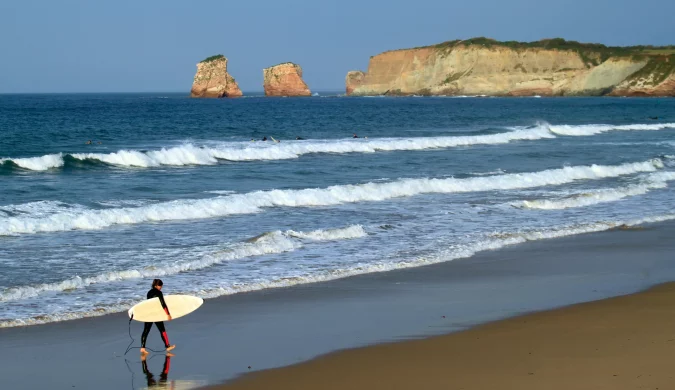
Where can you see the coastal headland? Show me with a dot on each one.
(549, 67)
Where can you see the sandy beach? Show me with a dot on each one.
(626, 342)
(283, 327)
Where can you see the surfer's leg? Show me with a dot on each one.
(144, 336)
(165, 337)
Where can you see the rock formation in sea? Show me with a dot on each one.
(551, 67)
(284, 80)
(212, 79)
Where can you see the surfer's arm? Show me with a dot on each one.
(161, 300)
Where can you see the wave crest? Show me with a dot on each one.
(254, 202)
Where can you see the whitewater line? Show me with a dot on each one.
(658, 180)
(189, 154)
(493, 242)
(267, 243)
(254, 202)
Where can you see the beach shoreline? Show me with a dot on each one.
(280, 327)
(624, 342)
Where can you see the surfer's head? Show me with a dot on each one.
(157, 283)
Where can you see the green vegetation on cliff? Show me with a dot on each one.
(592, 54)
(213, 58)
(655, 72)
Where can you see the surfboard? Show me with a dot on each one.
(151, 310)
(275, 140)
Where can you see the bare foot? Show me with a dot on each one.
(169, 354)
(143, 351)
(169, 348)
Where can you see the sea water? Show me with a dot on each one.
(101, 193)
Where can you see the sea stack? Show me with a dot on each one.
(213, 81)
(285, 80)
(550, 67)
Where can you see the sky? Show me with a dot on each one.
(153, 46)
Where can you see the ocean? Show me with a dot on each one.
(185, 190)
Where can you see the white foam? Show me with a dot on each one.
(190, 154)
(585, 130)
(254, 202)
(654, 181)
(40, 208)
(123, 202)
(354, 231)
(267, 243)
(41, 163)
(493, 242)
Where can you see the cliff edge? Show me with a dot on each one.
(213, 81)
(284, 80)
(551, 67)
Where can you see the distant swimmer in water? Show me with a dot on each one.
(156, 292)
(355, 136)
(299, 138)
(88, 142)
(653, 117)
(264, 139)
(99, 142)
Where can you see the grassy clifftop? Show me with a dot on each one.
(212, 58)
(592, 54)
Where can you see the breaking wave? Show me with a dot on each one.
(585, 130)
(654, 181)
(41, 163)
(254, 202)
(189, 154)
(267, 243)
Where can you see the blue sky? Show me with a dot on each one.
(148, 45)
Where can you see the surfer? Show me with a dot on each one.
(355, 136)
(264, 139)
(299, 138)
(156, 292)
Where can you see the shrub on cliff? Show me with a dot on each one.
(213, 58)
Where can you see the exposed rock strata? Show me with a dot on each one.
(213, 81)
(548, 68)
(284, 80)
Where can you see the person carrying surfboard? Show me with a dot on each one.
(156, 292)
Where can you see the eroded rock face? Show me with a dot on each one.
(354, 80)
(500, 70)
(284, 80)
(213, 81)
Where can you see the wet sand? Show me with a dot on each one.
(281, 327)
(619, 343)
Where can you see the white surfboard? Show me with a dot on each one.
(151, 310)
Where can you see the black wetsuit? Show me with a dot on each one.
(155, 293)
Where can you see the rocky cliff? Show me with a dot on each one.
(553, 67)
(212, 79)
(284, 80)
